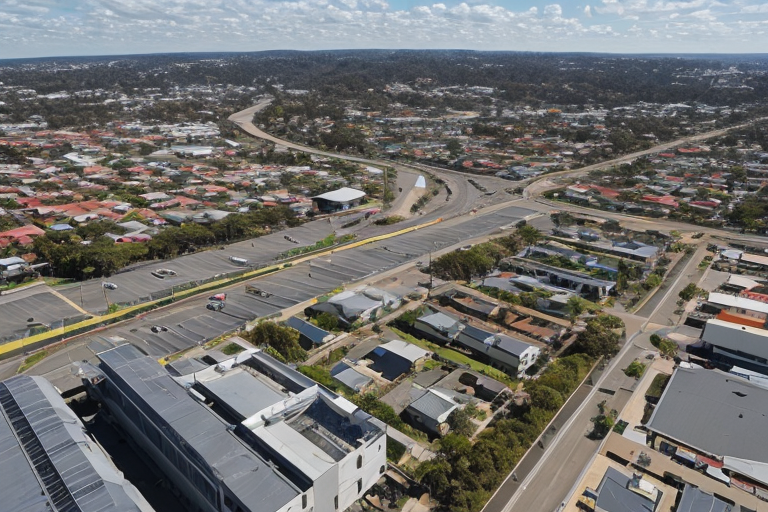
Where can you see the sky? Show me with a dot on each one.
(42, 28)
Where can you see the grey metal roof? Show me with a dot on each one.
(700, 406)
(312, 332)
(47, 462)
(349, 376)
(405, 350)
(207, 441)
(342, 195)
(439, 321)
(476, 333)
(511, 345)
(432, 405)
(242, 392)
(696, 500)
(613, 495)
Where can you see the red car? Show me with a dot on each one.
(221, 297)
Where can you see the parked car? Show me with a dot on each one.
(161, 273)
(221, 297)
(158, 328)
(109, 286)
(215, 306)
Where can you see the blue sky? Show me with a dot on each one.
(38, 28)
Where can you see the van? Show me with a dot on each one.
(239, 261)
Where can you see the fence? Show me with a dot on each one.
(19, 342)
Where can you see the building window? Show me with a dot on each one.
(359, 461)
(359, 486)
(228, 502)
(381, 470)
(304, 501)
(336, 502)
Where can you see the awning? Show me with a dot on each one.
(717, 474)
(685, 454)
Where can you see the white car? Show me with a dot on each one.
(109, 286)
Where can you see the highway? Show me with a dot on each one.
(543, 481)
(189, 323)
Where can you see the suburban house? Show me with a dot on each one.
(618, 492)
(351, 378)
(395, 358)
(504, 352)
(571, 280)
(437, 327)
(429, 412)
(353, 305)
(310, 335)
(469, 304)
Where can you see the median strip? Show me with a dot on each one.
(64, 332)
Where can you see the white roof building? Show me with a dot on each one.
(739, 304)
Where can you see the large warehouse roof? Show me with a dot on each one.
(742, 338)
(714, 412)
(255, 482)
(47, 462)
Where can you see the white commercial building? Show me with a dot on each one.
(740, 305)
(737, 342)
(246, 435)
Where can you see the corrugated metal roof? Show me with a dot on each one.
(613, 495)
(439, 321)
(731, 301)
(433, 405)
(341, 195)
(511, 345)
(349, 376)
(312, 332)
(47, 462)
(696, 500)
(699, 407)
(405, 350)
(207, 441)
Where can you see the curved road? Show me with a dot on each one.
(464, 196)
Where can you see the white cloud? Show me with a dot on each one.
(44, 27)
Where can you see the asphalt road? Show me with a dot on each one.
(546, 477)
(540, 185)
(189, 323)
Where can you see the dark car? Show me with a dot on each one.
(158, 328)
(215, 306)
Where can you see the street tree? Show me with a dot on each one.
(284, 340)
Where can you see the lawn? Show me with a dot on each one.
(32, 360)
(458, 358)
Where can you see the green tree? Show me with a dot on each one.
(283, 339)
(529, 234)
(575, 308)
(690, 292)
(544, 397)
(460, 421)
(327, 321)
(652, 281)
(597, 339)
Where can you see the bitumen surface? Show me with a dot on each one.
(189, 323)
